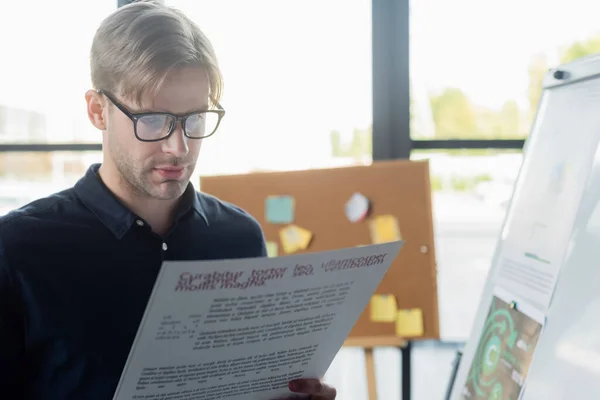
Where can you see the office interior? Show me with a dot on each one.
(318, 84)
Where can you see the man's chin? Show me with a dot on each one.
(169, 190)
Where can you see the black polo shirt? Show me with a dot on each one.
(76, 271)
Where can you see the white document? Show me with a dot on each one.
(242, 329)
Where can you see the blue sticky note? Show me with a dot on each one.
(279, 209)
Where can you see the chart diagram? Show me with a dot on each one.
(504, 353)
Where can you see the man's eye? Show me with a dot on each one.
(157, 121)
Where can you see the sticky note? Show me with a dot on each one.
(272, 249)
(384, 228)
(279, 209)
(294, 238)
(409, 323)
(357, 207)
(383, 308)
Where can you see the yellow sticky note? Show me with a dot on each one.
(305, 238)
(384, 229)
(272, 249)
(383, 308)
(294, 238)
(409, 323)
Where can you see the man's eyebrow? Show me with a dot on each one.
(203, 108)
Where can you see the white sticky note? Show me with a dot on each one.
(357, 207)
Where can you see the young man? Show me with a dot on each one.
(77, 268)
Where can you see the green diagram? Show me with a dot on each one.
(503, 355)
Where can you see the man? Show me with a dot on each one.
(77, 268)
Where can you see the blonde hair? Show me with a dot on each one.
(139, 44)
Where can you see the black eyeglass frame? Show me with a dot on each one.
(134, 117)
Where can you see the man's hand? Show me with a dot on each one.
(313, 387)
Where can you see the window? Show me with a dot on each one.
(297, 83)
(470, 190)
(476, 71)
(17, 123)
(482, 78)
(28, 176)
(45, 73)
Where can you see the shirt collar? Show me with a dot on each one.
(190, 199)
(96, 196)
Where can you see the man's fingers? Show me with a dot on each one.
(327, 393)
(313, 387)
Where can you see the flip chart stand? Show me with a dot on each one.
(455, 365)
(369, 344)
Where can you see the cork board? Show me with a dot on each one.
(399, 188)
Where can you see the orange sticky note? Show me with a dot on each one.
(409, 323)
(383, 308)
(294, 238)
(384, 229)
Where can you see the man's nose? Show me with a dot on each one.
(177, 142)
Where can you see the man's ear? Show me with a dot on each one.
(95, 109)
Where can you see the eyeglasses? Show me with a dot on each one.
(155, 126)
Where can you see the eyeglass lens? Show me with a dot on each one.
(157, 126)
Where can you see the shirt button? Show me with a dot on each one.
(165, 247)
(139, 222)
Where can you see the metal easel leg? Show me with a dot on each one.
(406, 363)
